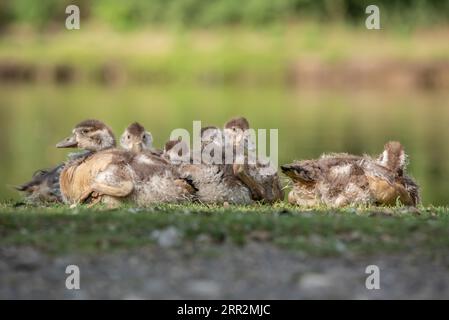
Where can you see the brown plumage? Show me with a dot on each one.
(336, 180)
(411, 187)
(91, 135)
(136, 139)
(262, 180)
(136, 129)
(113, 176)
(213, 183)
(220, 182)
(43, 188)
(342, 179)
(395, 159)
(77, 178)
(97, 126)
(237, 123)
(150, 162)
(208, 128)
(176, 150)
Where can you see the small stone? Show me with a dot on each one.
(260, 235)
(132, 297)
(203, 238)
(204, 288)
(166, 238)
(314, 281)
(340, 246)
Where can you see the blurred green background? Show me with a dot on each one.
(308, 68)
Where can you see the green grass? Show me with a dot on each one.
(137, 13)
(320, 232)
(224, 55)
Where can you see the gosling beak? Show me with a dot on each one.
(290, 171)
(286, 168)
(20, 188)
(27, 187)
(69, 142)
(137, 147)
(297, 173)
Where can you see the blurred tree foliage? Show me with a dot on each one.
(203, 13)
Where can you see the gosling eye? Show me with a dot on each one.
(128, 137)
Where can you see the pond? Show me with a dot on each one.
(34, 117)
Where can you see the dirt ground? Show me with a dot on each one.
(255, 271)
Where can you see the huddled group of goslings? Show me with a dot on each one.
(139, 174)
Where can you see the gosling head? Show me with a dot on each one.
(176, 150)
(210, 135)
(393, 157)
(91, 135)
(136, 139)
(297, 172)
(237, 123)
(237, 133)
(43, 187)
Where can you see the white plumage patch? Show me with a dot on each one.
(148, 141)
(384, 158)
(403, 159)
(107, 177)
(344, 170)
(144, 159)
(106, 139)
